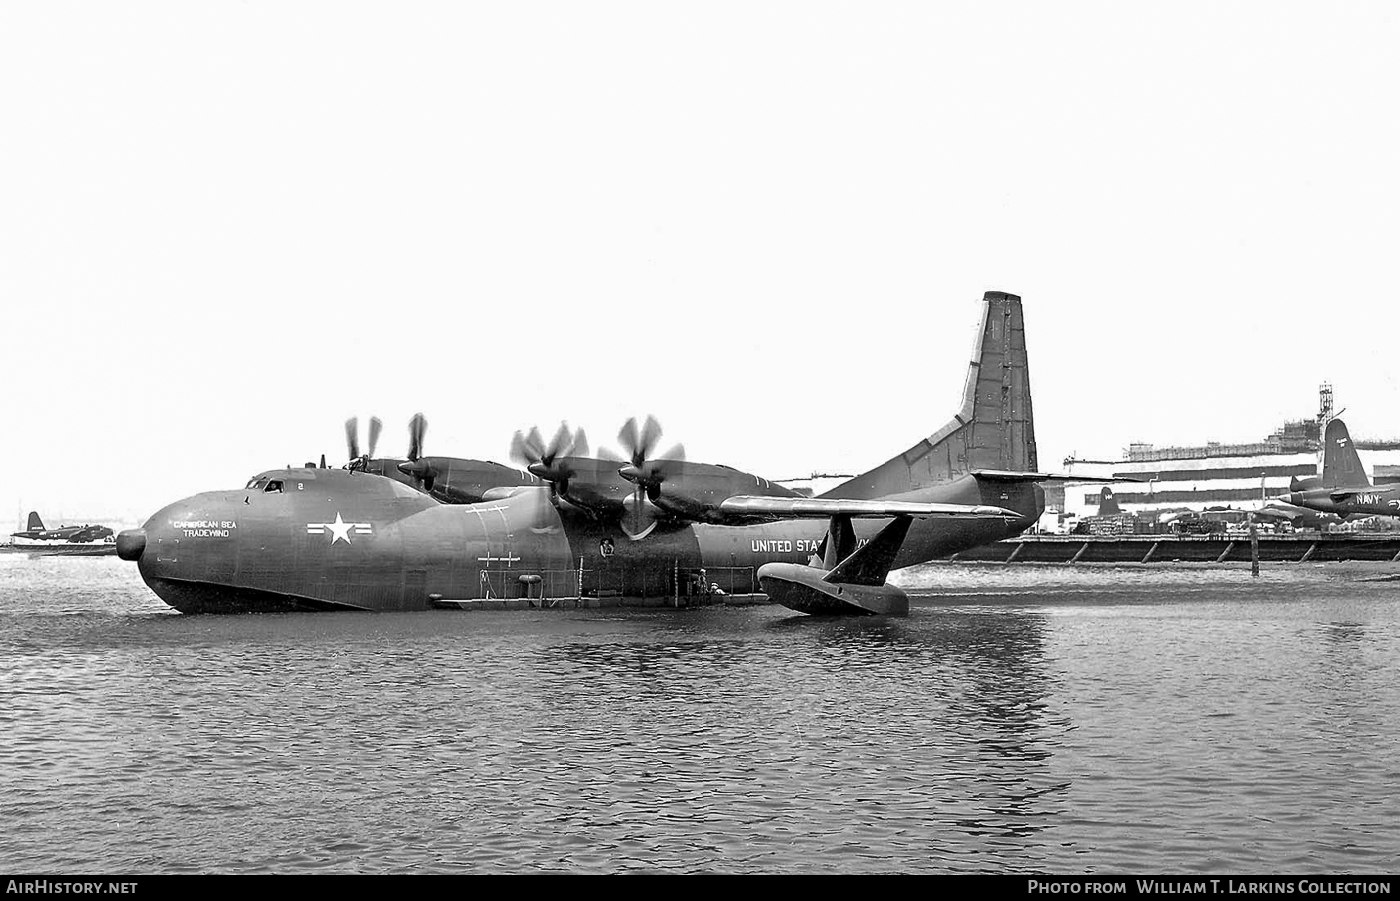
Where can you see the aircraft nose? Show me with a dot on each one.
(131, 543)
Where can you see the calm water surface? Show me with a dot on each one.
(1022, 718)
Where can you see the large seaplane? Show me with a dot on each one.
(424, 532)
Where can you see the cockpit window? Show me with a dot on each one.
(255, 483)
(274, 485)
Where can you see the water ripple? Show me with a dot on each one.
(1021, 719)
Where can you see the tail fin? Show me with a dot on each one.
(1341, 466)
(1108, 504)
(871, 562)
(1304, 484)
(994, 430)
(35, 523)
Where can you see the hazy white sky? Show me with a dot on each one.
(227, 226)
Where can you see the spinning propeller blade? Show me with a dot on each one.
(416, 427)
(352, 438)
(374, 426)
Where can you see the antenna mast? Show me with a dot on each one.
(1324, 416)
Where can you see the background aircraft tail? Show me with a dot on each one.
(1341, 465)
(994, 430)
(35, 523)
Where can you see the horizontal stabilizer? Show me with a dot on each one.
(871, 562)
(1001, 475)
(820, 507)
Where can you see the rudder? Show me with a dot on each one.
(35, 523)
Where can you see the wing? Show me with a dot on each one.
(773, 508)
(1001, 475)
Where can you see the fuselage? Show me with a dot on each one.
(1349, 501)
(331, 539)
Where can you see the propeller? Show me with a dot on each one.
(352, 442)
(642, 466)
(542, 459)
(644, 471)
(423, 472)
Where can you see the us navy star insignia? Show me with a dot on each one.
(340, 530)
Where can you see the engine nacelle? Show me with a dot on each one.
(685, 506)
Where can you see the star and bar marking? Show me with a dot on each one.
(340, 530)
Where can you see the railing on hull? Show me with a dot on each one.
(680, 584)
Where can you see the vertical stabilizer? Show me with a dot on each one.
(35, 523)
(995, 428)
(1341, 465)
(1108, 504)
(871, 562)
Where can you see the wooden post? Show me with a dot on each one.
(1225, 553)
(1080, 553)
(1253, 548)
(1016, 553)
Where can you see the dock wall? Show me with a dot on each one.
(1193, 548)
